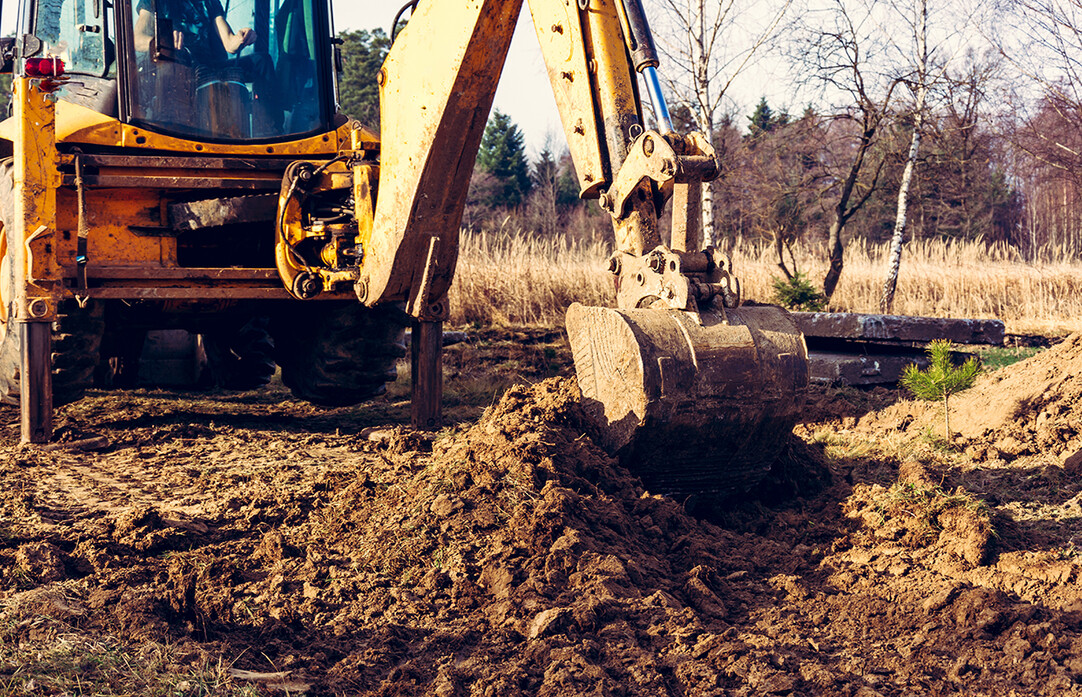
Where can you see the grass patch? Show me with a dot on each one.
(996, 357)
(922, 515)
(938, 443)
(42, 656)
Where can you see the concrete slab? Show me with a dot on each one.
(868, 368)
(847, 369)
(898, 328)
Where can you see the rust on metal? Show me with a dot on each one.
(227, 181)
(426, 363)
(190, 274)
(144, 162)
(36, 394)
(216, 292)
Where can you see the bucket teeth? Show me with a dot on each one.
(691, 408)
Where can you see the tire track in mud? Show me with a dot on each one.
(92, 487)
(196, 482)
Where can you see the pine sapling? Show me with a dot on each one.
(941, 379)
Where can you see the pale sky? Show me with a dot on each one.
(524, 93)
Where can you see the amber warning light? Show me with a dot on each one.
(44, 67)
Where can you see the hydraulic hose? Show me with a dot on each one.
(412, 7)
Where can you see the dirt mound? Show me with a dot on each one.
(517, 544)
(1023, 409)
(516, 558)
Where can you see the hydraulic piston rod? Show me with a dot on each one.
(661, 109)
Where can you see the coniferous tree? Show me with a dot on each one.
(941, 379)
(761, 120)
(363, 53)
(765, 120)
(503, 156)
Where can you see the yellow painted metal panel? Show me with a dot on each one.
(110, 212)
(436, 89)
(560, 34)
(37, 275)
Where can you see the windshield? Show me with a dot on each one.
(247, 70)
(73, 31)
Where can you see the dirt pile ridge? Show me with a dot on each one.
(516, 558)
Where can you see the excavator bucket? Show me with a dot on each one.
(692, 403)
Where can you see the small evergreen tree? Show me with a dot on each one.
(796, 292)
(503, 155)
(941, 379)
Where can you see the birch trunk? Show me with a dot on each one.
(708, 200)
(706, 122)
(894, 262)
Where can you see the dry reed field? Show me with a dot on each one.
(516, 278)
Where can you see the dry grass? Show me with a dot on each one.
(518, 279)
(942, 279)
(61, 660)
(515, 279)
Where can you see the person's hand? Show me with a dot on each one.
(247, 36)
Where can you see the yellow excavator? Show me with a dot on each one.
(180, 163)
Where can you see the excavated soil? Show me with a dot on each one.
(511, 556)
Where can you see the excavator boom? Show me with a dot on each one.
(436, 90)
(694, 391)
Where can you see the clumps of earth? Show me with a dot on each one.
(514, 557)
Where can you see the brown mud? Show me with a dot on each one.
(511, 556)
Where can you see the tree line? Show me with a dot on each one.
(906, 130)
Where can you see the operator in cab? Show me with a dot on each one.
(199, 29)
(200, 86)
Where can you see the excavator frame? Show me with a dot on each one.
(678, 356)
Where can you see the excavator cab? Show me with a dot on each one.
(184, 80)
(172, 67)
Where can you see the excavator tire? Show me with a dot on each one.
(77, 331)
(691, 408)
(339, 354)
(241, 359)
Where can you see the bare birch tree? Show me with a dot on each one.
(838, 53)
(894, 260)
(925, 78)
(706, 46)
